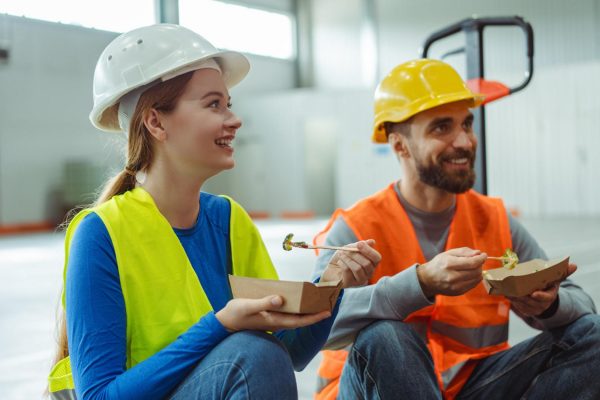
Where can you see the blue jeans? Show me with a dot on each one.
(246, 365)
(389, 360)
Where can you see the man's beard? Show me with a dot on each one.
(458, 181)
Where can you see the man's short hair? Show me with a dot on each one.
(402, 128)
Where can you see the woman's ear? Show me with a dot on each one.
(153, 122)
(399, 144)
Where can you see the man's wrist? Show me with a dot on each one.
(423, 282)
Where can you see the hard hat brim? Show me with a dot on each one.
(379, 135)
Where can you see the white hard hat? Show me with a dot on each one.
(152, 54)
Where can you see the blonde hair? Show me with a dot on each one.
(162, 97)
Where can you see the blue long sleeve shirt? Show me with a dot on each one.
(96, 320)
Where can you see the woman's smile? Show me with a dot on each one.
(226, 143)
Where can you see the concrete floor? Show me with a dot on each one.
(31, 273)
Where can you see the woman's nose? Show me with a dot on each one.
(233, 121)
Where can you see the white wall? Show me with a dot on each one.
(541, 142)
(337, 43)
(45, 99)
(547, 131)
(281, 163)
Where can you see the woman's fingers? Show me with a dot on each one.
(253, 306)
(262, 314)
(274, 320)
(238, 313)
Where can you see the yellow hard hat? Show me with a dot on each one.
(417, 86)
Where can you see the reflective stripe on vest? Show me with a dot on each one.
(60, 381)
(148, 252)
(460, 328)
(322, 383)
(482, 336)
(449, 374)
(329, 373)
(67, 394)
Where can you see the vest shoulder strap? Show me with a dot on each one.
(248, 251)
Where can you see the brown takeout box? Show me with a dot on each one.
(298, 297)
(525, 278)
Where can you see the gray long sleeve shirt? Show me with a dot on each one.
(395, 297)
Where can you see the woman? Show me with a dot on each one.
(148, 307)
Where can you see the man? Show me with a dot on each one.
(425, 328)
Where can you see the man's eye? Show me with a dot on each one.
(468, 125)
(442, 128)
(229, 105)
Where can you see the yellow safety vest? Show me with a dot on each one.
(162, 293)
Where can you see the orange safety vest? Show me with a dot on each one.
(459, 329)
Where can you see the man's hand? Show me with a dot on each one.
(539, 301)
(451, 273)
(353, 268)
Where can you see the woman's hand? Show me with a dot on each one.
(262, 315)
(353, 268)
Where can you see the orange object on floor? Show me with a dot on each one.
(16, 229)
(298, 214)
(259, 214)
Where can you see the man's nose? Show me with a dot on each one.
(464, 140)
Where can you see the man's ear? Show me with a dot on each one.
(153, 122)
(399, 144)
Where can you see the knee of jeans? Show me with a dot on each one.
(386, 333)
(260, 350)
(587, 326)
(265, 361)
(245, 362)
(584, 331)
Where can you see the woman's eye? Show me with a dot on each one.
(229, 105)
(218, 104)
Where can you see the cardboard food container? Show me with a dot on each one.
(525, 278)
(298, 297)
